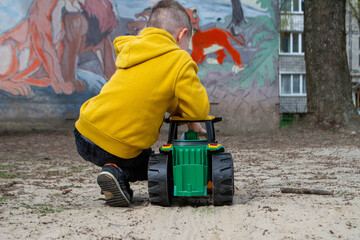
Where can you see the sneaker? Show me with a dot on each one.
(114, 188)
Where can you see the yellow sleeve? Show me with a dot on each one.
(193, 103)
(173, 109)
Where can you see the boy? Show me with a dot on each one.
(155, 75)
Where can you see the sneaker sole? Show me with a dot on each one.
(108, 183)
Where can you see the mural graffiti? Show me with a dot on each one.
(42, 50)
(218, 37)
(63, 48)
(29, 46)
(135, 26)
(88, 31)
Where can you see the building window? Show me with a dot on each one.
(285, 5)
(294, 6)
(292, 84)
(285, 42)
(303, 84)
(302, 5)
(285, 84)
(295, 43)
(291, 43)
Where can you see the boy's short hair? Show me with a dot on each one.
(170, 16)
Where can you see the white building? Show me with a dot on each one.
(353, 50)
(292, 71)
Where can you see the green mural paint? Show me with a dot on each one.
(262, 66)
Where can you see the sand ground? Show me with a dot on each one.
(49, 192)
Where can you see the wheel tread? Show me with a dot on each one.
(223, 178)
(159, 180)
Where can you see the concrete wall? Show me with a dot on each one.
(292, 64)
(293, 104)
(58, 53)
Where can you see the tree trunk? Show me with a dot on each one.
(328, 79)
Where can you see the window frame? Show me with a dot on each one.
(291, 94)
(301, 11)
(300, 44)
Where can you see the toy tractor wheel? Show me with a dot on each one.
(222, 178)
(159, 180)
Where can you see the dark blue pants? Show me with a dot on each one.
(135, 169)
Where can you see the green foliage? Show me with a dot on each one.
(355, 6)
(42, 208)
(49, 210)
(262, 67)
(263, 64)
(204, 210)
(355, 9)
(286, 119)
(3, 198)
(267, 4)
(6, 175)
(7, 166)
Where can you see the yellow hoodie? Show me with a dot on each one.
(154, 76)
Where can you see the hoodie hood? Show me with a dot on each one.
(151, 43)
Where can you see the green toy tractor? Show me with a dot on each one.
(191, 166)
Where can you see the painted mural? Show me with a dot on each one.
(58, 53)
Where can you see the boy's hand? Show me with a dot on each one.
(196, 126)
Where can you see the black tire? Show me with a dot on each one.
(222, 178)
(160, 183)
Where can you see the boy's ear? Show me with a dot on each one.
(181, 34)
